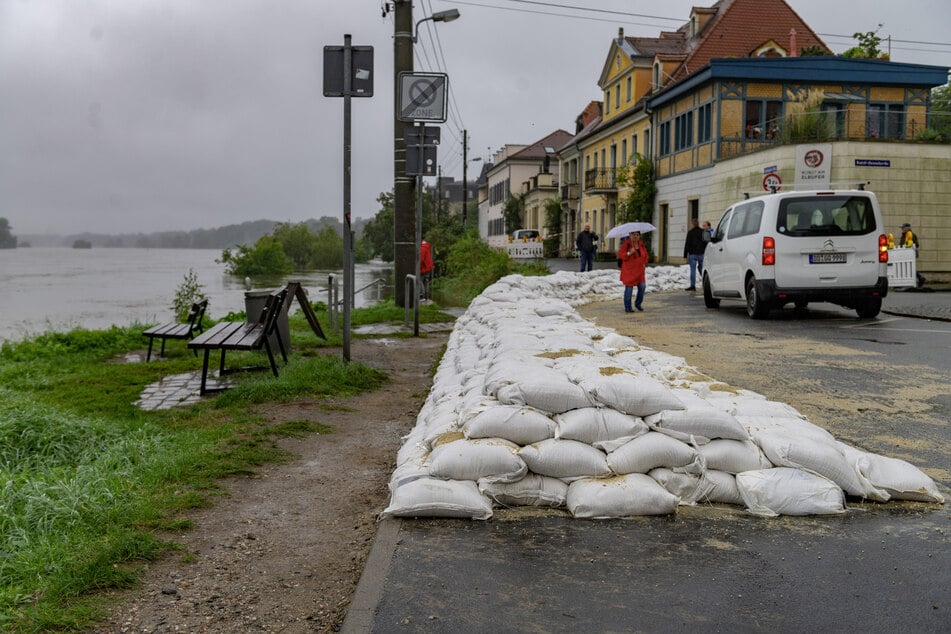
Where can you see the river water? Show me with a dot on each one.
(56, 289)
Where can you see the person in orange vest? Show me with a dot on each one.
(426, 267)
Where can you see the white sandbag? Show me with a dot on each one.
(493, 459)
(720, 487)
(692, 488)
(521, 425)
(629, 393)
(786, 491)
(698, 420)
(733, 456)
(532, 490)
(684, 485)
(620, 496)
(823, 458)
(431, 497)
(614, 341)
(902, 480)
(552, 396)
(598, 424)
(650, 451)
(565, 459)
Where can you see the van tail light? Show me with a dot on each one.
(883, 248)
(769, 251)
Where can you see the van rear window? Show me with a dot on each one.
(825, 216)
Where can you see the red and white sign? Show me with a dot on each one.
(772, 181)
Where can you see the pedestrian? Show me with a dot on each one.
(707, 231)
(909, 239)
(426, 267)
(694, 247)
(633, 256)
(587, 244)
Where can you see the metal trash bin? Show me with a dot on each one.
(254, 302)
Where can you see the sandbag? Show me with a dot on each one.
(787, 491)
(629, 393)
(692, 488)
(494, 459)
(521, 425)
(823, 458)
(565, 459)
(733, 456)
(532, 490)
(698, 421)
(720, 486)
(553, 396)
(598, 424)
(432, 497)
(650, 451)
(902, 480)
(620, 496)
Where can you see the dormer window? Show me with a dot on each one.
(657, 75)
(693, 25)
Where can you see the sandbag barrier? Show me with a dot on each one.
(533, 405)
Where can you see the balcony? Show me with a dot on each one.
(570, 193)
(600, 181)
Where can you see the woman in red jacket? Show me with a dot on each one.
(633, 256)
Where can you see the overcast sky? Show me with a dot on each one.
(124, 116)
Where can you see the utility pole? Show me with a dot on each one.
(403, 185)
(437, 208)
(465, 181)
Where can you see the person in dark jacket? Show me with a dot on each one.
(694, 246)
(587, 244)
(910, 239)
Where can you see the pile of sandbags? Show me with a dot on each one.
(532, 405)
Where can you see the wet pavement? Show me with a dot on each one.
(878, 568)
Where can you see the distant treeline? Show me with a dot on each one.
(225, 237)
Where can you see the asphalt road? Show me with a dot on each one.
(879, 384)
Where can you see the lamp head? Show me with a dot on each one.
(446, 16)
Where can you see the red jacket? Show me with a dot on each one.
(425, 258)
(633, 266)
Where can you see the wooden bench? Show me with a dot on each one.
(176, 330)
(239, 335)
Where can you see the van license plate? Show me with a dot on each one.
(827, 258)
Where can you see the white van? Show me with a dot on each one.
(799, 247)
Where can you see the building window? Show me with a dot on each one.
(624, 150)
(629, 84)
(704, 123)
(683, 131)
(663, 142)
(607, 101)
(633, 146)
(656, 78)
(763, 118)
(886, 120)
(617, 96)
(647, 143)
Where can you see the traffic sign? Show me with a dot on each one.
(772, 182)
(423, 97)
(361, 71)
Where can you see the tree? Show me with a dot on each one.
(267, 257)
(639, 176)
(552, 210)
(377, 239)
(7, 239)
(298, 242)
(868, 46)
(512, 213)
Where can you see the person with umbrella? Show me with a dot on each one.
(633, 256)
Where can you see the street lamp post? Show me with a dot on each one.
(404, 213)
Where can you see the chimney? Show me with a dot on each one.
(620, 34)
(793, 45)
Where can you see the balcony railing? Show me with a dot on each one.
(569, 192)
(601, 179)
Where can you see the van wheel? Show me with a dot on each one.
(754, 307)
(801, 304)
(869, 309)
(708, 299)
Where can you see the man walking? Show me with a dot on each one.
(694, 246)
(587, 244)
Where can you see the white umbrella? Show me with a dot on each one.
(622, 231)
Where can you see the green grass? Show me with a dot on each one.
(87, 478)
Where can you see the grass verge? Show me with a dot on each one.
(87, 479)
